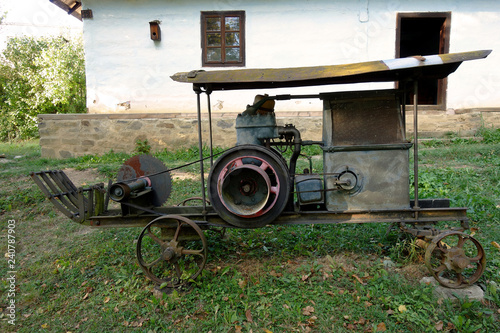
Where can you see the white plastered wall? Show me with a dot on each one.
(127, 72)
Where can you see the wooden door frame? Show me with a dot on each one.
(443, 48)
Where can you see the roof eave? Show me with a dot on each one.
(69, 9)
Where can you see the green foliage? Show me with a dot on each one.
(489, 135)
(39, 75)
(142, 147)
(483, 135)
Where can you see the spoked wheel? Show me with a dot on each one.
(249, 186)
(455, 259)
(173, 250)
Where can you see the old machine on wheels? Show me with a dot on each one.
(365, 178)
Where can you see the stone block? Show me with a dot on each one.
(189, 124)
(65, 154)
(224, 124)
(48, 153)
(165, 125)
(165, 132)
(473, 292)
(88, 143)
(48, 142)
(136, 125)
(62, 123)
(72, 141)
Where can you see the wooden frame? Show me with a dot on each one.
(222, 15)
(444, 47)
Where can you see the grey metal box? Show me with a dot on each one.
(364, 143)
(383, 175)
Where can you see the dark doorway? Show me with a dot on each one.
(424, 34)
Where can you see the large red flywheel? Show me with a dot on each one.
(249, 186)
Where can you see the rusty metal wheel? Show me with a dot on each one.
(172, 250)
(249, 186)
(455, 259)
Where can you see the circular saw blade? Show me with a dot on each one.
(146, 165)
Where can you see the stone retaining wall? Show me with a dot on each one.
(71, 135)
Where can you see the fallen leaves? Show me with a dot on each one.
(273, 273)
(381, 327)
(242, 283)
(308, 310)
(88, 290)
(358, 279)
(137, 323)
(248, 315)
(363, 325)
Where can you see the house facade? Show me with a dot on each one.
(133, 47)
(129, 71)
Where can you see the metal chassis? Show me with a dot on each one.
(113, 218)
(89, 206)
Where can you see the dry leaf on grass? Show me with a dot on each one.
(242, 283)
(358, 279)
(308, 310)
(312, 319)
(381, 327)
(248, 314)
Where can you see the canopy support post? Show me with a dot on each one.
(208, 92)
(200, 147)
(415, 142)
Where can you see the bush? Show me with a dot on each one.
(39, 75)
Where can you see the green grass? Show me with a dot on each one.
(318, 278)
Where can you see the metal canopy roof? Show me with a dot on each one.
(401, 69)
(71, 7)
